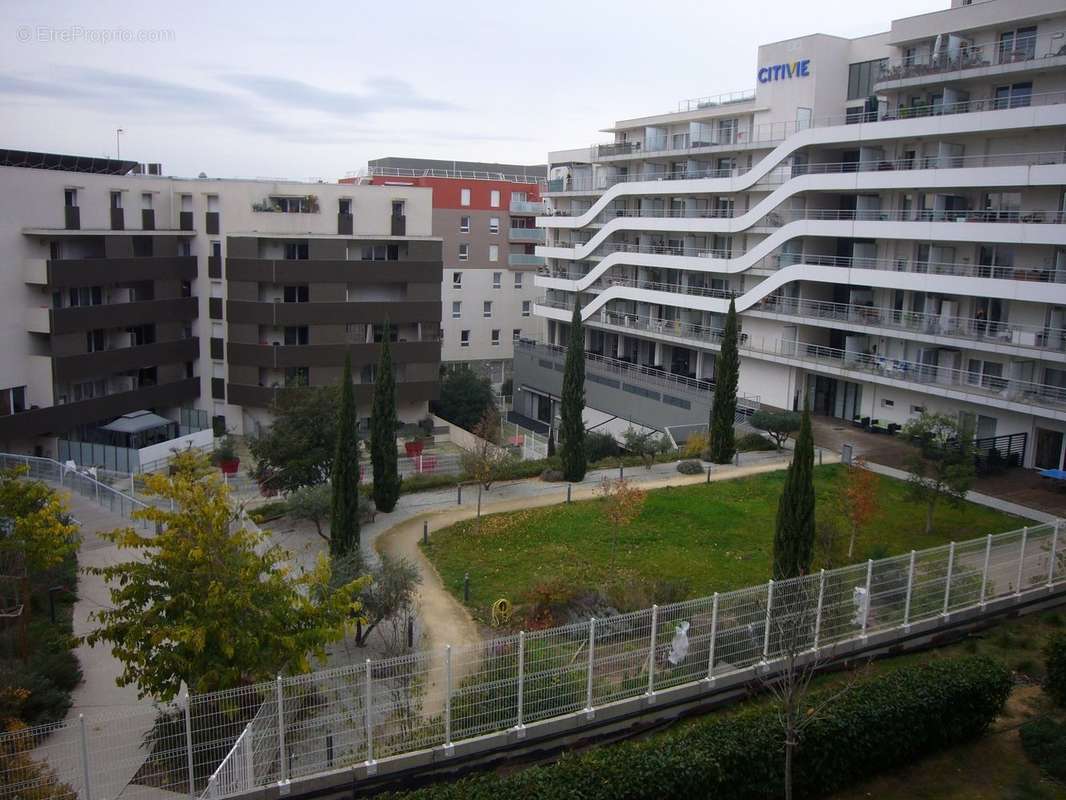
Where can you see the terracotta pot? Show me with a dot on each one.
(413, 448)
(230, 466)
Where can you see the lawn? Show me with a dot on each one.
(686, 542)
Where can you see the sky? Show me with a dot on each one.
(314, 89)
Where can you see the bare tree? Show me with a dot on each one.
(482, 464)
(795, 621)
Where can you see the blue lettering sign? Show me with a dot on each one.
(778, 72)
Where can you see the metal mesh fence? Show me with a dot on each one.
(226, 743)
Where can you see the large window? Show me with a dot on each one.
(863, 76)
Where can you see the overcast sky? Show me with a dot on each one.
(313, 89)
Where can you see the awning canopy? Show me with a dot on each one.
(136, 422)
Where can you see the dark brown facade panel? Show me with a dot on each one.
(71, 218)
(117, 315)
(345, 224)
(217, 349)
(103, 271)
(218, 388)
(263, 396)
(214, 267)
(265, 355)
(88, 365)
(331, 313)
(211, 223)
(57, 419)
(118, 219)
(214, 307)
(264, 270)
(148, 219)
(185, 221)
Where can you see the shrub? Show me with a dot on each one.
(879, 725)
(694, 446)
(1055, 658)
(268, 511)
(1044, 742)
(690, 467)
(552, 475)
(753, 442)
(779, 424)
(600, 445)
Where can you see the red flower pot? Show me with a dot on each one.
(230, 466)
(413, 448)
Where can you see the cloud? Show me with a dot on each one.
(385, 94)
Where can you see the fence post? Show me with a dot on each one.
(459, 495)
(589, 712)
(520, 728)
(766, 630)
(425, 532)
(85, 773)
(818, 612)
(188, 744)
(947, 583)
(984, 572)
(368, 717)
(569, 486)
(714, 638)
(448, 747)
(651, 653)
(1051, 560)
(910, 592)
(282, 755)
(1021, 562)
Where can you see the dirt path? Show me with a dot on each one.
(443, 619)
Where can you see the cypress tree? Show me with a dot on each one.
(724, 403)
(794, 535)
(383, 427)
(572, 427)
(344, 516)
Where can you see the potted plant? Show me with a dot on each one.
(413, 447)
(226, 456)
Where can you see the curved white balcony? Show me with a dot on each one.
(972, 116)
(1027, 397)
(1021, 227)
(981, 171)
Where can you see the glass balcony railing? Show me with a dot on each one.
(534, 207)
(526, 235)
(524, 260)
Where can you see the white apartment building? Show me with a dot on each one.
(886, 211)
(200, 300)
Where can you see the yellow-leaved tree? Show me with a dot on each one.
(209, 602)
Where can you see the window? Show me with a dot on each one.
(457, 280)
(494, 224)
(216, 249)
(86, 296)
(457, 309)
(146, 200)
(1019, 45)
(987, 374)
(494, 253)
(464, 252)
(297, 376)
(497, 278)
(143, 246)
(464, 338)
(863, 76)
(296, 251)
(398, 207)
(295, 335)
(380, 252)
(495, 337)
(116, 200)
(12, 400)
(94, 340)
(70, 198)
(518, 280)
(344, 206)
(487, 309)
(516, 334)
(1017, 95)
(286, 205)
(464, 224)
(296, 294)
(464, 197)
(494, 198)
(526, 308)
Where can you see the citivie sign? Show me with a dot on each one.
(780, 72)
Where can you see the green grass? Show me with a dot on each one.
(702, 538)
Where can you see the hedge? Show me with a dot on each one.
(881, 724)
(1055, 656)
(1044, 743)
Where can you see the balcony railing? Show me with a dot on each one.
(534, 207)
(464, 174)
(526, 235)
(786, 172)
(966, 381)
(776, 132)
(524, 260)
(1023, 48)
(716, 100)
